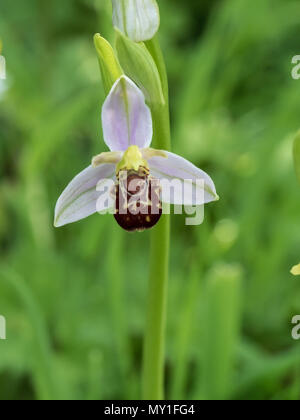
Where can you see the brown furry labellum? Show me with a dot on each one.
(137, 198)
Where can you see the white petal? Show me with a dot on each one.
(190, 185)
(126, 119)
(137, 19)
(79, 199)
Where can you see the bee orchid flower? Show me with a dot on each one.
(133, 168)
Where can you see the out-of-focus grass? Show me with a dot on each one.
(74, 298)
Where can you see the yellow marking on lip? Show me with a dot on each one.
(132, 160)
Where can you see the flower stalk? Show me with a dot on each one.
(154, 343)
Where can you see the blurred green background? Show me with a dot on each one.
(74, 298)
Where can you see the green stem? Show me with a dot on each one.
(154, 345)
(157, 55)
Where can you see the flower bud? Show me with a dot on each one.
(137, 19)
(109, 65)
(138, 64)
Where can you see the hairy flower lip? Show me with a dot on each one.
(137, 200)
(127, 125)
